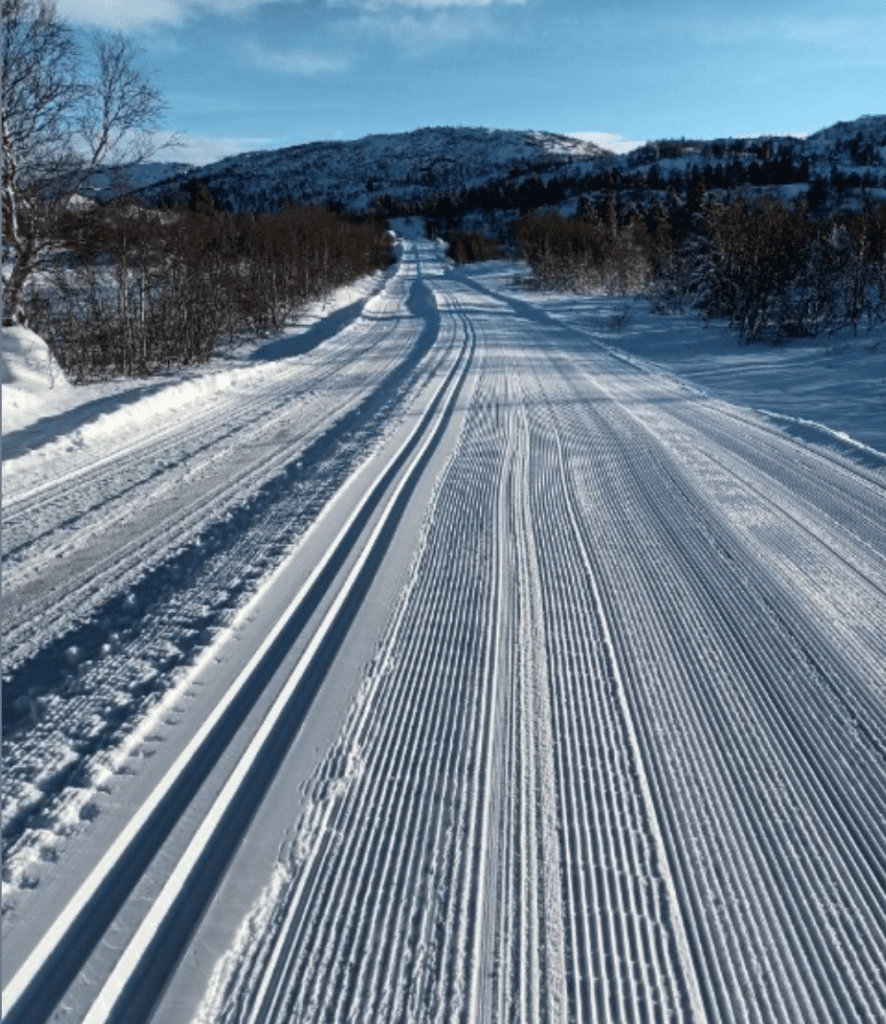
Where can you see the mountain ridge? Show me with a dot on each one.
(410, 169)
(354, 173)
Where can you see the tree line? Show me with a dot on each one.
(768, 266)
(472, 247)
(137, 290)
(771, 166)
(119, 288)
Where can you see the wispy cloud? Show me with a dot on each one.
(291, 62)
(424, 31)
(861, 35)
(129, 15)
(422, 25)
(123, 14)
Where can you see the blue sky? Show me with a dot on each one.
(240, 75)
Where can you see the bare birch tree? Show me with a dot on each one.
(65, 114)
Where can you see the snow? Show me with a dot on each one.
(488, 654)
(835, 383)
(33, 383)
(45, 416)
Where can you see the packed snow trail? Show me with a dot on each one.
(618, 749)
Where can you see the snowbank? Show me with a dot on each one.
(33, 382)
(45, 415)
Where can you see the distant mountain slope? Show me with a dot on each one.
(409, 167)
(450, 172)
(138, 176)
(862, 140)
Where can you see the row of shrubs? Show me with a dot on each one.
(134, 290)
(767, 266)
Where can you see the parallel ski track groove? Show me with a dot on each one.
(24, 620)
(448, 749)
(586, 724)
(659, 507)
(451, 385)
(302, 979)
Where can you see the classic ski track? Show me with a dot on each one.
(703, 734)
(862, 859)
(620, 756)
(373, 973)
(25, 619)
(423, 437)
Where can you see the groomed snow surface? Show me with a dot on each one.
(467, 653)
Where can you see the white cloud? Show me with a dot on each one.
(424, 24)
(422, 30)
(123, 14)
(133, 14)
(291, 62)
(609, 140)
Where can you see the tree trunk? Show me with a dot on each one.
(12, 291)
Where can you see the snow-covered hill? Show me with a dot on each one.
(414, 168)
(409, 167)
(867, 130)
(138, 176)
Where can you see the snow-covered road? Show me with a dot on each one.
(469, 671)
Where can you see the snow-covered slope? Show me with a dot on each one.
(409, 166)
(137, 177)
(413, 168)
(858, 136)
